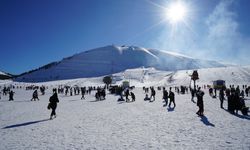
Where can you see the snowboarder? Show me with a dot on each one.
(200, 104)
(53, 100)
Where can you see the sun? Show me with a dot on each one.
(176, 12)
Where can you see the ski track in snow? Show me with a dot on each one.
(108, 124)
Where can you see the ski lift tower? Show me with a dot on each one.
(194, 77)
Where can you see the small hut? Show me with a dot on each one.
(219, 84)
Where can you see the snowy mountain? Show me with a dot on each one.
(113, 59)
(4, 76)
(140, 77)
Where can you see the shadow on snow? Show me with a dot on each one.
(171, 109)
(25, 124)
(206, 122)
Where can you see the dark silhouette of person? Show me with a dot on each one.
(200, 104)
(83, 90)
(127, 94)
(152, 94)
(11, 96)
(53, 104)
(132, 96)
(222, 97)
(193, 91)
(171, 98)
(35, 96)
(165, 96)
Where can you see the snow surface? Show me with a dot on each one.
(113, 59)
(108, 124)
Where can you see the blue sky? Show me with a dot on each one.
(36, 32)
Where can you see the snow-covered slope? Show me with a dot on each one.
(111, 125)
(4, 75)
(113, 59)
(140, 77)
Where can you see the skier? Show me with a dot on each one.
(172, 98)
(35, 96)
(53, 104)
(200, 104)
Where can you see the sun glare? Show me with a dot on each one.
(176, 12)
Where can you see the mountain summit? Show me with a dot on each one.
(112, 59)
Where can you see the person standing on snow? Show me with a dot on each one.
(165, 96)
(171, 98)
(11, 95)
(35, 96)
(132, 96)
(53, 104)
(200, 104)
(152, 93)
(222, 97)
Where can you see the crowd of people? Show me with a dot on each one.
(234, 96)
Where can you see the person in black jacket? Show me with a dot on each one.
(53, 104)
(171, 98)
(11, 95)
(35, 96)
(165, 96)
(152, 93)
(132, 96)
(200, 104)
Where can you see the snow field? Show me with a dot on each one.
(108, 124)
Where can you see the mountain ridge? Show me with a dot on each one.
(112, 59)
